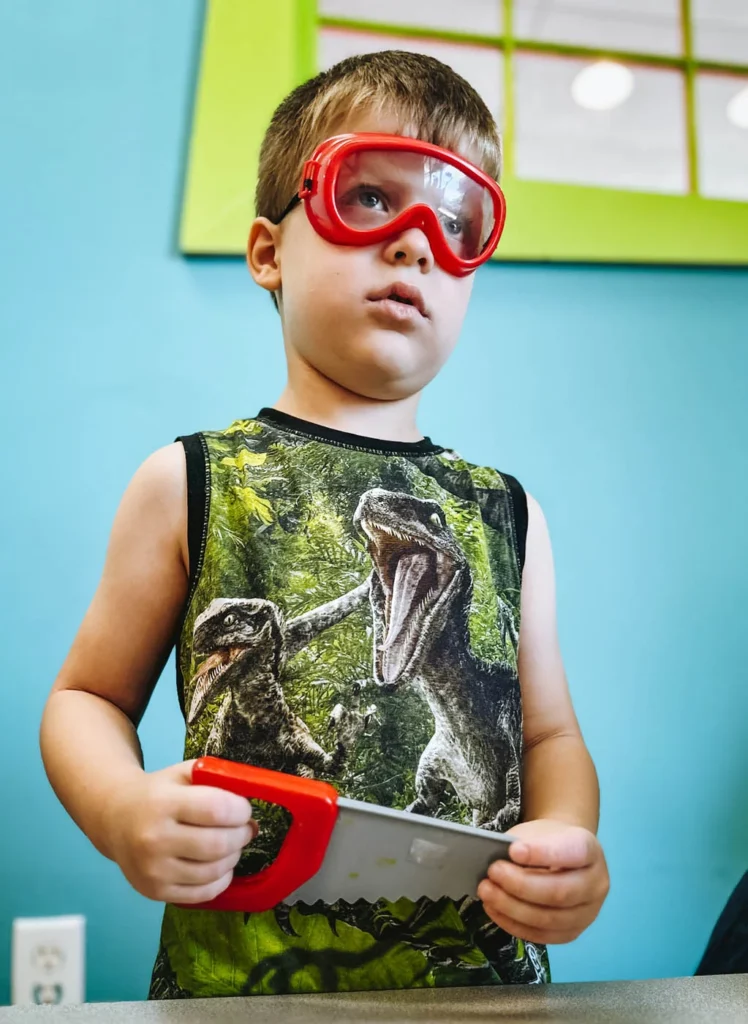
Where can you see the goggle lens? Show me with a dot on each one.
(374, 186)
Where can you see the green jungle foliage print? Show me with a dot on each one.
(348, 602)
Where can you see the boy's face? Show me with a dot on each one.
(334, 313)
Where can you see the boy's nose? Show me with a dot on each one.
(409, 248)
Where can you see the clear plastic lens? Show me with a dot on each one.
(374, 187)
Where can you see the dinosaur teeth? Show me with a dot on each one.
(208, 672)
(198, 699)
(376, 532)
(215, 660)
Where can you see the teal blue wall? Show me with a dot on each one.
(617, 395)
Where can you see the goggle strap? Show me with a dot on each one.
(291, 206)
(305, 191)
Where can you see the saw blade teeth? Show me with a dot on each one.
(392, 896)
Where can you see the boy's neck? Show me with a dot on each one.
(318, 400)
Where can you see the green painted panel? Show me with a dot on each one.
(253, 55)
(569, 222)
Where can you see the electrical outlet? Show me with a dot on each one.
(48, 960)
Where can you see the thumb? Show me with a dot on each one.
(568, 848)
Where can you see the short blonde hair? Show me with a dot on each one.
(431, 101)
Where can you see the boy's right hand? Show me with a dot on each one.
(175, 842)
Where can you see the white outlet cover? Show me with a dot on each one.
(48, 960)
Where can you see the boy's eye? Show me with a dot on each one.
(452, 223)
(363, 199)
(371, 199)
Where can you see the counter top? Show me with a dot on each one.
(675, 1001)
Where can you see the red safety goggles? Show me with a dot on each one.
(363, 188)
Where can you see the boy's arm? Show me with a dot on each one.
(560, 790)
(172, 840)
(559, 778)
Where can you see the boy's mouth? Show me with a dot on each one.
(401, 294)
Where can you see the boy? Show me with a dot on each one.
(344, 594)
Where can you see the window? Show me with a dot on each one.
(646, 26)
(720, 30)
(640, 144)
(616, 114)
(723, 140)
(483, 16)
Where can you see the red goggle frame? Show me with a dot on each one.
(318, 193)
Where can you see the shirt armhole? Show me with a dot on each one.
(519, 508)
(198, 504)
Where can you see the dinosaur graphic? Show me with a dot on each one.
(246, 642)
(421, 592)
(349, 724)
(529, 962)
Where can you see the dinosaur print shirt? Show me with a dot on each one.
(353, 616)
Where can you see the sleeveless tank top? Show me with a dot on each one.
(353, 616)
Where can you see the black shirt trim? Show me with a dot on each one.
(519, 503)
(198, 504)
(198, 492)
(344, 440)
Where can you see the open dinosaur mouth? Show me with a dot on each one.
(416, 580)
(206, 678)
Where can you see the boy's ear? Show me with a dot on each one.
(263, 253)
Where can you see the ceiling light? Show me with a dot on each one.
(602, 85)
(737, 108)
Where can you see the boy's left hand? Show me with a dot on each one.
(549, 906)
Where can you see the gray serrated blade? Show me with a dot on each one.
(377, 853)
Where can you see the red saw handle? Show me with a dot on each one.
(314, 808)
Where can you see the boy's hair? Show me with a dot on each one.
(431, 100)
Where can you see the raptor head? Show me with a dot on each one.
(418, 570)
(232, 633)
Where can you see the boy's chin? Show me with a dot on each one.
(382, 390)
(388, 369)
(383, 380)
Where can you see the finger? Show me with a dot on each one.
(529, 934)
(182, 772)
(206, 805)
(193, 842)
(525, 931)
(545, 919)
(572, 888)
(569, 848)
(198, 893)
(195, 872)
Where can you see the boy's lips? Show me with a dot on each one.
(401, 301)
